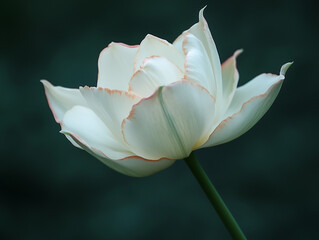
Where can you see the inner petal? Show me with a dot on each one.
(197, 65)
(112, 106)
(154, 46)
(230, 78)
(116, 66)
(156, 71)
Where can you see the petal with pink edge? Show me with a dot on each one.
(83, 123)
(154, 46)
(230, 78)
(249, 104)
(116, 66)
(197, 64)
(133, 166)
(62, 99)
(155, 72)
(111, 106)
(201, 31)
(171, 123)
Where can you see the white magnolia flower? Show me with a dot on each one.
(157, 102)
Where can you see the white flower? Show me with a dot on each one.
(157, 102)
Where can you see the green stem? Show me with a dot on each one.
(213, 196)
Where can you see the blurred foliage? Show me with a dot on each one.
(51, 190)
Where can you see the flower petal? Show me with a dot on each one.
(155, 72)
(171, 123)
(197, 64)
(62, 99)
(86, 125)
(154, 46)
(230, 78)
(87, 130)
(111, 106)
(133, 166)
(116, 66)
(201, 31)
(249, 104)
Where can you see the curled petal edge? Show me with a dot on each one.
(47, 84)
(231, 62)
(61, 99)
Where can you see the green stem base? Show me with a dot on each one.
(213, 196)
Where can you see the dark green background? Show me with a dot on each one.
(51, 190)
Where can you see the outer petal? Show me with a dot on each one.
(133, 166)
(155, 72)
(116, 66)
(171, 123)
(230, 78)
(86, 125)
(111, 106)
(197, 64)
(249, 104)
(62, 99)
(154, 46)
(202, 32)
